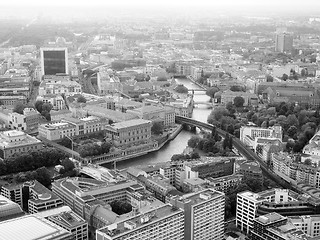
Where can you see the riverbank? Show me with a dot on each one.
(122, 157)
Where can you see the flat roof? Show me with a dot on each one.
(141, 219)
(30, 228)
(130, 123)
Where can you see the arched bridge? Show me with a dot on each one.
(241, 147)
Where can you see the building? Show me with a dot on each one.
(165, 223)
(308, 224)
(108, 84)
(224, 183)
(31, 227)
(250, 99)
(248, 205)
(13, 192)
(12, 100)
(203, 214)
(72, 127)
(252, 136)
(295, 172)
(9, 209)
(157, 184)
(56, 101)
(74, 224)
(58, 85)
(284, 42)
(251, 169)
(54, 61)
(27, 122)
(129, 132)
(15, 142)
(39, 197)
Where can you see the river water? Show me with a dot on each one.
(178, 144)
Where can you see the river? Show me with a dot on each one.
(178, 144)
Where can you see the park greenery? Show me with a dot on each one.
(299, 123)
(181, 89)
(212, 144)
(33, 165)
(93, 149)
(120, 207)
(157, 128)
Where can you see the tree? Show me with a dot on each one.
(284, 77)
(269, 78)
(46, 114)
(81, 99)
(46, 107)
(157, 128)
(161, 79)
(67, 164)
(181, 89)
(238, 101)
(211, 91)
(120, 207)
(236, 88)
(43, 176)
(19, 107)
(226, 140)
(217, 114)
(194, 141)
(38, 105)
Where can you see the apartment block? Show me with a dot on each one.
(203, 214)
(27, 122)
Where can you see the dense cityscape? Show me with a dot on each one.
(137, 121)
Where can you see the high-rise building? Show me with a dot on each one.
(203, 214)
(284, 41)
(54, 61)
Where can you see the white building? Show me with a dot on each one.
(203, 214)
(308, 224)
(251, 135)
(248, 202)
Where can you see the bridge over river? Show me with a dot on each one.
(242, 149)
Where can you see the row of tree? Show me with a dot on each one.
(94, 149)
(32, 160)
(211, 143)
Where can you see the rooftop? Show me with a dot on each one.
(67, 219)
(140, 220)
(270, 218)
(201, 196)
(130, 123)
(31, 227)
(13, 138)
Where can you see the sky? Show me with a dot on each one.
(168, 3)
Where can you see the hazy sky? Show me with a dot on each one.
(168, 3)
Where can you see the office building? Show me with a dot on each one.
(203, 214)
(224, 183)
(274, 226)
(284, 42)
(13, 192)
(54, 61)
(70, 221)
(14, 141)
(165, 222)
(31, 227)
(39, 197)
